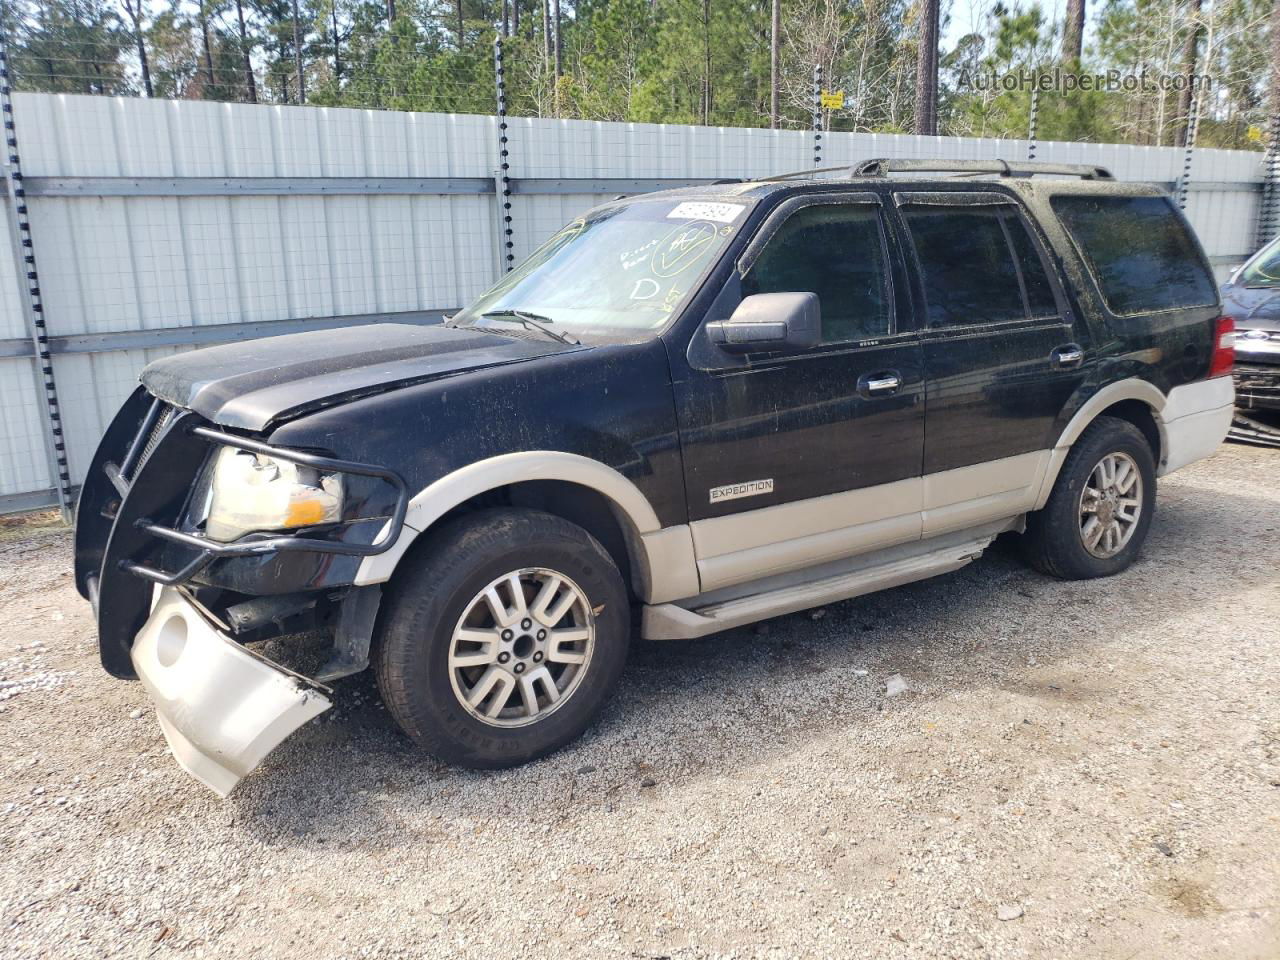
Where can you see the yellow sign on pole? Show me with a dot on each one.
(832, 99)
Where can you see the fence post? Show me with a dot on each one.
(1193, 118)
(817, 114)
(1268, 213)
(1035, 111)
(28, 279)
(502, 181)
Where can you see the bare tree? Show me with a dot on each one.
(706, 61)
(555, 13)
(1273, 96)
(546, 30)
(297, 54)
(1073, 32)
(134, 9)
(206, 42)
(462, 24)
(927, 70)
(337, 41)
(774, 30)
(1189, 55)
(250, 85)
(391, 12)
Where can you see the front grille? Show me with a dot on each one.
(1256, 376)
(1257, 369)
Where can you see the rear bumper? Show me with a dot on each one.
(222, 709)
(1196, 418)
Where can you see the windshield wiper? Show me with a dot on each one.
(531, 321)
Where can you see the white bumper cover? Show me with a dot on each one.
(1196, 419)
(221, 708)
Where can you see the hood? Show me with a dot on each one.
(1256, 311)
(1253, 308)
(254, 384)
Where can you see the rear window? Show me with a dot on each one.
(1142, 255)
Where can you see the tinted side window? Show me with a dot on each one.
(1142, 256)
(835, 251)
(1040, 301)
(979, 265)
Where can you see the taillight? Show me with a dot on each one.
(1223, 357)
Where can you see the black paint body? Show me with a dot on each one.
(672, 412)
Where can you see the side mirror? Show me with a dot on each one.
(768, 322)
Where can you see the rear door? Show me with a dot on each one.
(1002, 354)
(793, 459)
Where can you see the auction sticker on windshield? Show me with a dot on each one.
(704, 210)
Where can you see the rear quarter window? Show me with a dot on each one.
(1141, 253)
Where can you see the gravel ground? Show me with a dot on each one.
(1075, 769)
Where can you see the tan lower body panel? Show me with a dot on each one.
(793, 536)
(961, 498)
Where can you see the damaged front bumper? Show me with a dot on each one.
(222, 708)
(135, 528)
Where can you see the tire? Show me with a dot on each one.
(428, 667)
(1056, 542)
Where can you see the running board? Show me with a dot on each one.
(863, 575)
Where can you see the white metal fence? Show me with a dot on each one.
(159, 225)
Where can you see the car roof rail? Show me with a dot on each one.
(806, 174)
(884, 166)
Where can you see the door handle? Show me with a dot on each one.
(1067, 357)
(882, 384)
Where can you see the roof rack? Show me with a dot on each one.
(806, 174)
(884, 166)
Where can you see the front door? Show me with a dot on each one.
(792, 459)
(1001, 354)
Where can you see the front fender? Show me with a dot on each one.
(437, 499)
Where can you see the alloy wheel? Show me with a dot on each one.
(521, 647)
(1111, 505)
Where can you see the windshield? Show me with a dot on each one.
(1265, 270)
(621, 268)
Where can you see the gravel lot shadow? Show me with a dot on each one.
(707, 708)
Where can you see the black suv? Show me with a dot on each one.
(686, 411)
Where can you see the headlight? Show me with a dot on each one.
(255, 492)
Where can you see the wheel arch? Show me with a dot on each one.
(584, 491)
(1136, 401)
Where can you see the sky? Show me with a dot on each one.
(966, 16)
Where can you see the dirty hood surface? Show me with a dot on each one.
(254, 384)
(1254, 308)
(1256, 311)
